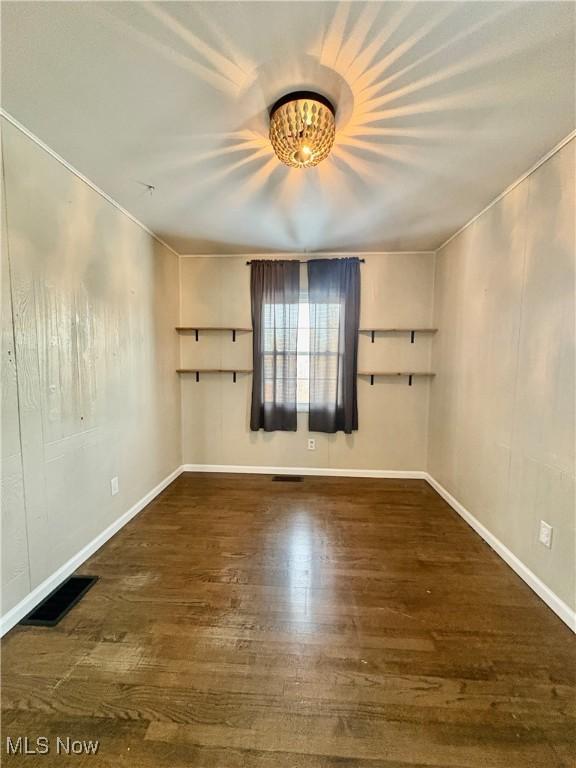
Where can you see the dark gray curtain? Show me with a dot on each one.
(334, 297)
(275, 292)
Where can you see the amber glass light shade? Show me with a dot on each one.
(302, 128)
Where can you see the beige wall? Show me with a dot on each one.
(95, 301)
(502, 405)
(15, 567)
(397, 291)
(89, 305)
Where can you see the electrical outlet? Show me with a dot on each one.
(311, 444)
(114, 486)
(545, 536)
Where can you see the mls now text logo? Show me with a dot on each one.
(22, 745)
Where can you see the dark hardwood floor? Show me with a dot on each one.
(242, 623)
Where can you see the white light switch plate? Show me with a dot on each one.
(311, 444)
(545, 536)
(114, 486)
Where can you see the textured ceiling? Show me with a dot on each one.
(439, 107)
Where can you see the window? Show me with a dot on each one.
(306, 344)
(324, 319)
(303, 354)
(280, 333)
(299, 316)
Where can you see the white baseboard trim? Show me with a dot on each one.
(24, 607)
(560, 608)
(393, 474)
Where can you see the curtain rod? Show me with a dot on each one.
(301, 261)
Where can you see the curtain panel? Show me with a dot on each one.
(275, 296)
(334, 298)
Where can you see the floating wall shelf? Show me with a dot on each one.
(410, 375)
(371, 374)
(197, 328)
(198, 371)
(411, 331)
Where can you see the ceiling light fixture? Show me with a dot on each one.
(302, 128)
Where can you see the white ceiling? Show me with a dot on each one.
(439, 107)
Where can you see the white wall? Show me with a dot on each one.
(94, 305)
(502, 405)
(396, 291)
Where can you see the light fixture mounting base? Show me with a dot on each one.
(299, 95)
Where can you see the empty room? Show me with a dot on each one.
(288, 384)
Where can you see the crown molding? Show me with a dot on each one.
(302, 254)
(279, 254)
(269, 254)
(512, 186)
(11, 119)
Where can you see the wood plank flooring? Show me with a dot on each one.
(242, 623)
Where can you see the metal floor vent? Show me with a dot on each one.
(54, 607)
(287, 479)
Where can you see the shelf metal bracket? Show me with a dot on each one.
(372, 334)
(412, 336)
(371, 380)
(234, 334)
(410, 380)
(197, 375)
(196, 332)
(234, 377)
